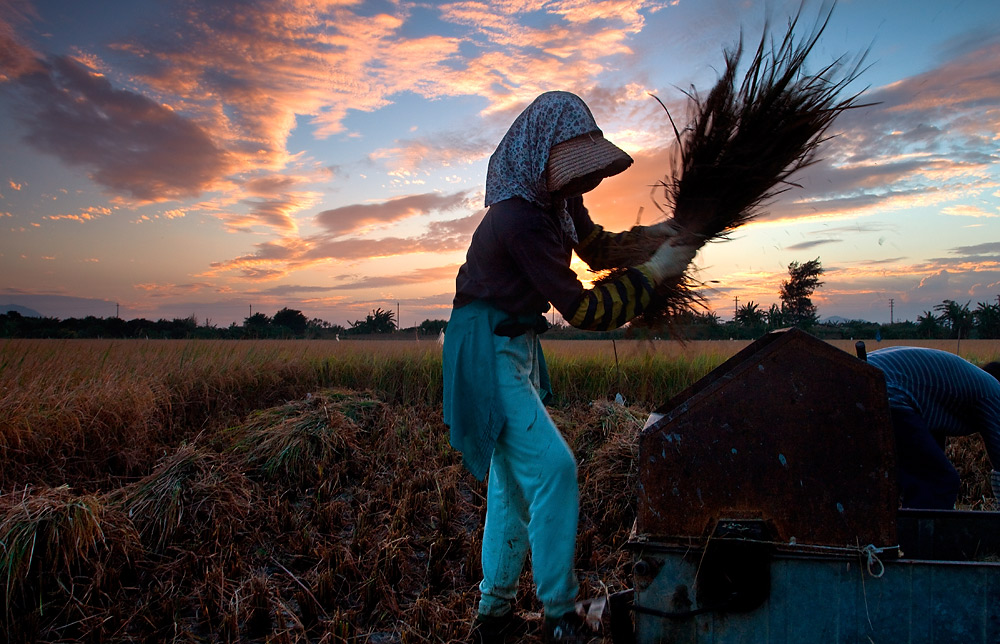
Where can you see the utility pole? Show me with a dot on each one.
(891, 303)
(116, 309)
(736, 306)
(399, 324)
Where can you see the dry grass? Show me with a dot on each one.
(64, 559)
(73, 408)
(193, 496)
(304, 492)
(304, 442)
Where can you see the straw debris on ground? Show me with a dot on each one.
(336, 517)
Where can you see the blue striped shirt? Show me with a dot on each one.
(952, 395)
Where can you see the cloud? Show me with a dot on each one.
(131, 145)
(86, 214)
(278, 258)
(446, 149)
(812, 244)
(346, 219)
(172, 290)
(939, 124)
(419, 276)
(350, 282)
(270, 185)
(251, 68)
(16, 58)
(275, 213)
(967, 210)
(218, 88)
(929, 141)
(888, 260)
(979, 250)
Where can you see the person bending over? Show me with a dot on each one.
(934, 394)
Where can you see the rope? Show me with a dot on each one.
(872, 561)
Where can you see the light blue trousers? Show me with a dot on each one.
(532, 499)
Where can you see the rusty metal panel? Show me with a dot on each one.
(791, 431)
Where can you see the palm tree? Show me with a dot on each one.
(987, 318)
(928, 326)
(957, 317)
(378, 321)
(776, 318)
(750, 315)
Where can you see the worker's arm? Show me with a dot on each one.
(602, 250)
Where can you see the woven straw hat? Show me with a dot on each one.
(589, 156)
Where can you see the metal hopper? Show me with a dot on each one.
(791, 432)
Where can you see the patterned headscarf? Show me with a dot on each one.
(517, 167)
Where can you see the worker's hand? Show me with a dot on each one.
(670, 261)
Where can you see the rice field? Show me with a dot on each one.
(295, 491)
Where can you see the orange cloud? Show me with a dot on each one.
(967, 210)
(340, 221)
(230, 91)
(352, 282)
(270, 185)
(87, 214)
(277, 213)
(18, 58)
(412, 155)
(279, 258)
(266, 63)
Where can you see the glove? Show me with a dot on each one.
(670, 261)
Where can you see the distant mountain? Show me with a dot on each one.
(23, 310)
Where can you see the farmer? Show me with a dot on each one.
(934, 394)
(494, 373)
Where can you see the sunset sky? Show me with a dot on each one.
(163, 159)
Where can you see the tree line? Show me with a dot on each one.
(949, 319)
(285, 324)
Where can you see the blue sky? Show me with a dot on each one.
(167, 159)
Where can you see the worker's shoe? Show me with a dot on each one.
(568, 629)
(488, 629)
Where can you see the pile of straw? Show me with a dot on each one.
(742, 144)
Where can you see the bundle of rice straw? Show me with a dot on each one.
(742, 144)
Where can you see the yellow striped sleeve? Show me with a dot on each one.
(611, 304)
